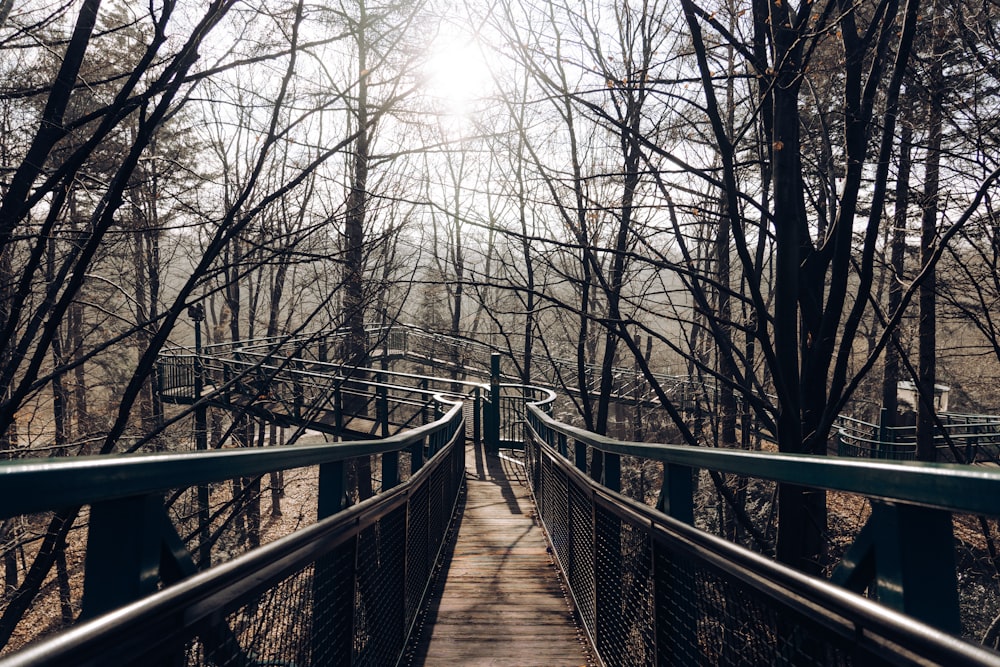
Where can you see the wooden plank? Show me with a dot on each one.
(499, 600)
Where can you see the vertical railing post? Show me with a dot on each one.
(338, 406)
(227, 374)
(382, 405)
(613, 471)
(334, 579)
(197, 314)
(883, 434)
(423, 410)
(477, 422)
(416, 455)
(390, 460)
(298, 395)
(580, 456)
(332, 495)
(390, 470)
(123, 553)
(493, 408)
(971, 442)
(677, 493)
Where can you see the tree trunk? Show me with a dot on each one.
(890, 372)
(55, 537)
(355, 348)
(927, 326)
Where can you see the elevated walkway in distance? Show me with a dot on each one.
(499, 599)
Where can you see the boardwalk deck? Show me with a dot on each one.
(499, 600)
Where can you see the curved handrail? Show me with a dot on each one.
(165, 619)
(884, 443)
(90, 479)
(663, 555)
(948, 486)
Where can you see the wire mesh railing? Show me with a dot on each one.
(361, 573)
(651, 589)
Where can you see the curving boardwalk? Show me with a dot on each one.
(499, 599)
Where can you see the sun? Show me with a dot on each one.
(456, 75)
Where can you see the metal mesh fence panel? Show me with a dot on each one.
(581, 555)
(274, 629)
(710, 618)
(652, 591)
(379, 606)
(557, 506)
(332, 631)
(343, 591)
(419, 557)
(437, 515)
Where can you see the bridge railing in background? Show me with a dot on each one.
(653, 590)
(345, 591)
(323, 396)
(176, 378)
(327, 396)
(963, 438)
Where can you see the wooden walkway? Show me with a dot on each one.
(499, 599)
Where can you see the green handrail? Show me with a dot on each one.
(905, 551)
(947, 486)
(36, 485)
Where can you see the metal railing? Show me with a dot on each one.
(967, 438)
(344, 591)
(456, 353)
(974, 437)
(327, 397)
(321, 395)
(651, 589)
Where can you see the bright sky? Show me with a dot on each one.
(457, 75)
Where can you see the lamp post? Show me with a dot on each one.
(196, 312)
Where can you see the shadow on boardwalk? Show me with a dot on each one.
(498, 599)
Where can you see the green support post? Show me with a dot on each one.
(677, 493)
(493, 407)
(971, 443)
(908, 552)
(424, 419)
(332, 489)
(382, 406)
(298, 395)
(123, 553)
(580, 456)
(883, 434)
(338, 408)
(477, 422)
(390, 460)
(613, 471)
(416, 456)
(390, 470)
